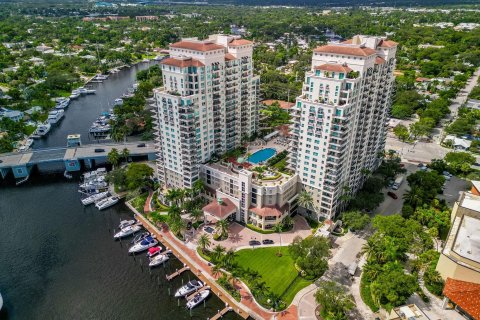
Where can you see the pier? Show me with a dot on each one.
(221, 313)
(177, 273)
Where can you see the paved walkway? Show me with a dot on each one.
(148, 203)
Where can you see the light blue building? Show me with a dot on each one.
(13, 115)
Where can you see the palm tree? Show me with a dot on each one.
(413, 197)
(260, 287)
(198, 186)
(218, 252)
(305, 200)
(196, 214)
(125, 154)
(204, 242)
(278, 228)
(252, 276)
(222, 225)
(177, 225)
(216, 271)
(229, 258)
(287, 222)
(174, 211)
(369, 248)
(173, 195)
(113, 157)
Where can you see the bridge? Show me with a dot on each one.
(21, 163)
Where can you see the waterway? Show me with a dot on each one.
(58, 259)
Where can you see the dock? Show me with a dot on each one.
(190, 297)
(177, 273)
(221, 313)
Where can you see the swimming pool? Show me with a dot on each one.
(261, 155)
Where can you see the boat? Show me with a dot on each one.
(197, 299)
(101, 77)
(1, 302)
(106, 203)
(158, 260)
(62, 103)
(67, 175)
(143, 245)
(126, 223)
(118, 102)
(94, 198)
(94, 174)
(75, 94)
(153, 251)
(190, 287)
(55, 115)
(94, 185)
(42, 130)
(127, 231)
(140, 237)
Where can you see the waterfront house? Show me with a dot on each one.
(13, 115)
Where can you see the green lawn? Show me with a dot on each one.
(279, 273)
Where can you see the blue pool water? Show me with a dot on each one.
(262, 155)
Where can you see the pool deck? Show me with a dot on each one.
(273, 144)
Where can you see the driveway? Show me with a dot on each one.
(239, 236)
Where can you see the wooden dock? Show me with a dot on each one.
(221, 313)
(190, 297)
(177, 273)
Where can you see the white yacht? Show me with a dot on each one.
(190, 287)
(1, 302)
(42, 129)
(75, 94)
(94, 198)
(55, 115)
(127, 231)
(62, 103)
(143, 245)
(101, 77)
(158, 260)
(197, 299)
(126, 223)
(118, 102)
(106, 203)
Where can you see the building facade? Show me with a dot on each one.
(208, 105)
(339, 121)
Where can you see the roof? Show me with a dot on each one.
(239, 42)
(387, 43)
(229, 56)
(347, 50)
(196, 45)
(283, 104)
(220, 211)
(268, 211)
(379, 60)
(464, 294)
(189, 62)
(334, 68)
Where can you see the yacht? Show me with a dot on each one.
(94, 185)
(75, 94)
(62, 103)
(106, 203)
(42, 129)
(158, 260)
(126, 223)
(143, 245)
(94, 174)
(127, 231)
(101, 77)
(118, 102)
(140, 237)
(94, 198)
(197, 299)
(153, 251)
(1, 302)
(55, 115)
(190, 287)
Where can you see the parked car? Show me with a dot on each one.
(254, 243)
(391, 194)
(141, 145)
(267, 241)
(98, 150)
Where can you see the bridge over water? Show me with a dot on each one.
(21, 163)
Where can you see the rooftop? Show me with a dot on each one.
(465, 294)
(334, 68)
(182, 62)
(467, 242)
(346, 49)
(220, 208)
(196, 45)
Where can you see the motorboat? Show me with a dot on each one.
(94, 186)
(106, 203)
(55, 115)
(190, 287)
(158, 260)
(94, 198)
(127, 231)
(75, 94)
(197, 299)
(101, 77)
(118, 102)
(126, 223)
(62, 103)
(143, 245)
(153, 251)
(139, 237)
(94, 174)
(1, 302)
(42, 129)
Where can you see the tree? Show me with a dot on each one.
(460, 161)
(229, 258)
(222, 226)
(355, 220)
(438, 165)
(204, 242)
(334, 301)
(278, 227)
(125, 154)
(310, 255)
(198, 186)
(401, 132)
(196, 214)
(305, 200)
(218, 252)
(138, 175)
(113, 157)
(177, 225)
(217, 270)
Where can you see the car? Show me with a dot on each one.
(98, 150)
(391, 194)
(420, 165)
(391, 183)
(141, 145)
(254, 243)
(267, 241)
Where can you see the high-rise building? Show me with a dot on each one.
(339, 121)
(207, 105)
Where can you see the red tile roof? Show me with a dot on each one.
(387, 43)
(239, 42)
(229, 57)
(196, 45)
(350, 51)
(182, 62)
(283, 104)
(464, 294)
(379, 60)
(220, 211)
(268, 211)
(334, 68)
